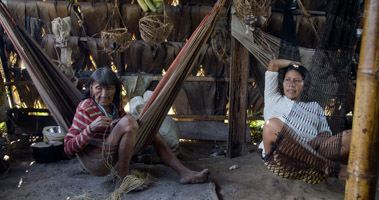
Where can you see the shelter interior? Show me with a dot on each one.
(202, 108)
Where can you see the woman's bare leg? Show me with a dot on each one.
(169, 158)
(123, 134)
(270, 133)
(332, 150)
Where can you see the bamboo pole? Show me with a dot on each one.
(363, 160)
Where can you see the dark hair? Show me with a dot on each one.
(282, 73)
(105, 77)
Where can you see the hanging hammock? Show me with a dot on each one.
(165, 93)
(57, 92)
(263, 48)
(293, 156)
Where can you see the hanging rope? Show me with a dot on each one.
(115, 40)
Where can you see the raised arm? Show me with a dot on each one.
(277, 64)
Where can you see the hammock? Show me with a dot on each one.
(165, 93)
(263, 48)
(61, 97)
(57, 92)
(326, 83)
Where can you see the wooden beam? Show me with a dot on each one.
(363, 159)
(208, 117)
(206, 130)
(239, 72)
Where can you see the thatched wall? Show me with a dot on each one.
(140, 57)
(197, 98)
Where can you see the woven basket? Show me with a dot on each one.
(155, 28)
(251, 11)
(116, 40)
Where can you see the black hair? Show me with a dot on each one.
(282, 73)
(105, 77)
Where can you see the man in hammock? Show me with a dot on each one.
(102, 134)
(307, 120)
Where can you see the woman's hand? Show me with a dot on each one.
(277, 64)
(100, 123)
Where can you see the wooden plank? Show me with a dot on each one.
(206, 130)
(208, 117)
(155, 77)
(239, 72)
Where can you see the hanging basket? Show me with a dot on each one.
(116, 40)
(155, 28)
(220, 39)
(254, 13)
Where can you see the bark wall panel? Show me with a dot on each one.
(185, 18)
(201, 98)
(96, 16)
(131, 13)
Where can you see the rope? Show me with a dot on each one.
(115, 40)
(309, 18)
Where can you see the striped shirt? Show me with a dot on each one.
(79, 134)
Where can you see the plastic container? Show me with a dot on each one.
(52, 134)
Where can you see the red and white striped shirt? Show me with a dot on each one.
(79, 134)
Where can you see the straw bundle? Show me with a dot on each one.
(130, 182)
(155, 28)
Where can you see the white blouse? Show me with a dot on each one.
(306, 119)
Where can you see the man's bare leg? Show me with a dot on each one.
(169, 158)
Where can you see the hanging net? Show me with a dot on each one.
(299, 153)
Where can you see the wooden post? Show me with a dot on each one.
(363, 159)
(239, 75)
(5, 68)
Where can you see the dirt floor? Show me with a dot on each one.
(249, 180)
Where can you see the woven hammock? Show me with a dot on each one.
(165, 93)
(62, 98)
(55, 89)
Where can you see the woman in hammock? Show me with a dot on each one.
(102, 134)
(309, 122)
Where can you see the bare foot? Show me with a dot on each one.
(194, 177)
